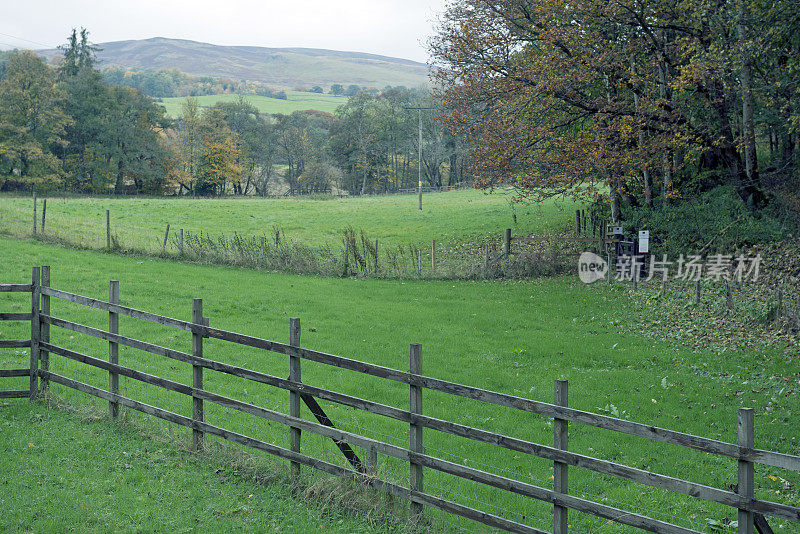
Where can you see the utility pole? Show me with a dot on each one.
(419, 183)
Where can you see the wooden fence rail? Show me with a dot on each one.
(744, 453)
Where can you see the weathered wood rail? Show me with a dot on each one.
(16, 343)
(750, 509)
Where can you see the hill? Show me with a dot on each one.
(282, 67)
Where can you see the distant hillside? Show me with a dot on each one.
(282, 67)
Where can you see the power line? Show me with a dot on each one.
(23, 39)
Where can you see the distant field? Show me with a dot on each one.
(456, 216)
(296, 101)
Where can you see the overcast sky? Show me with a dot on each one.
(397, 28)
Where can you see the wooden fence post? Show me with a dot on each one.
(728, 295)
(376, 257)
(433, 255)
(44, 356)
(346, 258)
(44, 213)
(486, 263)
(197, 372)
(372, 461)
(416, 429)
(166, 235)
(746, 471)
(108, 230)
(263, 249)
(577, 222)
(294, 397)
(181, 242)
(36, 291)
(419, 263)
(34, 214)
(507, 243)
(560, 484)
(113, 348)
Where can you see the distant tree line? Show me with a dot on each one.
(77, 129)
(167, 83)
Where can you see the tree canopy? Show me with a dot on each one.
(643, 99)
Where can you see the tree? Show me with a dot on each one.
(336, 89)
(580, 97)
(352, 90)
(32, 122)
(188, 148)
(132, 140)
(317, 89)
(78, 54)
(257, 144)
(295, 146)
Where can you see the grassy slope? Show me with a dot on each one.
(511, 336)
(296, 101)
(67, 472)
(394, 219)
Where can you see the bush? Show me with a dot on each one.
(717, 220)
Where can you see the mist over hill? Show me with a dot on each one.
(281, 67)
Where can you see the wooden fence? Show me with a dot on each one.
(750, 509)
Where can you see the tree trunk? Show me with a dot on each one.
(648, 186)
(663, 92)
(748, 129)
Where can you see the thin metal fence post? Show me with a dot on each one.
(34, 214)
(416, 429)
(44, 213)
(44, 328)
(294, 397)
(560, 484)
(113, 348)
(746, 480)
(108, 230)
(36, 291)
(197, 373)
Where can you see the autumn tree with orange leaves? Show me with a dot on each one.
(636, 101)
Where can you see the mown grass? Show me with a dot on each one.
(295, 101)
(67, 471)
(510, 336)
(455, 216)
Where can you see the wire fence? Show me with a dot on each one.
(354, 254)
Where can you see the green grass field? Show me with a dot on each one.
(451, 217)
(295, 101)
(510, 336)
(72, 472)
